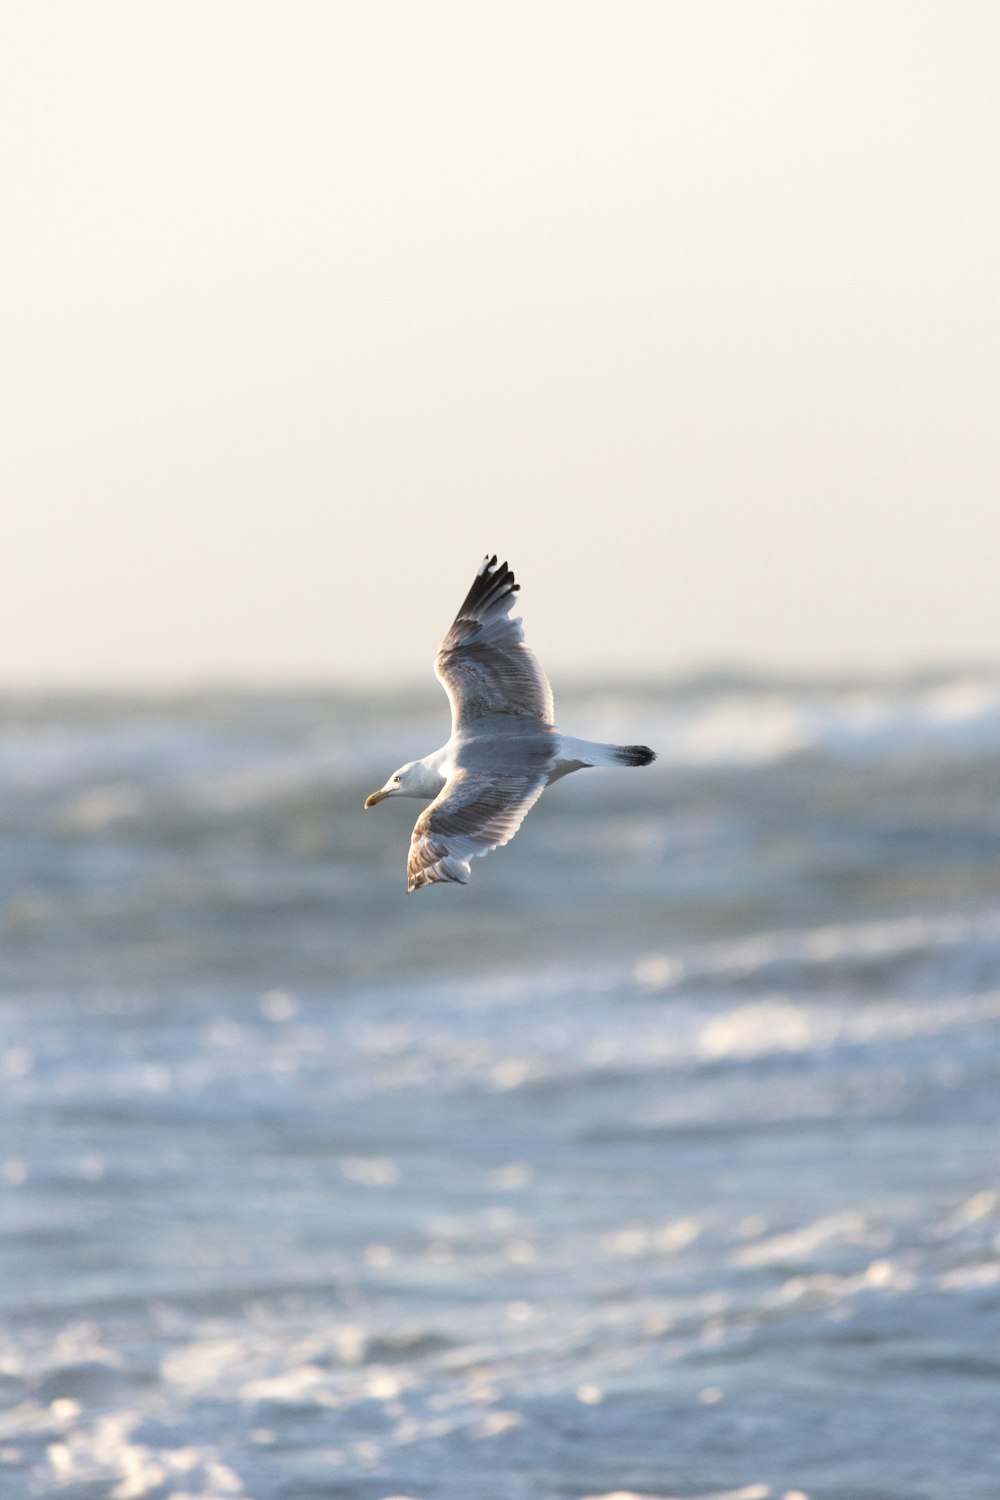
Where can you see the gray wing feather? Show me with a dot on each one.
(483, 661)
(471, 815)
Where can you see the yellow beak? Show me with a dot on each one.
(376, 797)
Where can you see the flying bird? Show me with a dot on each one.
(504, 748)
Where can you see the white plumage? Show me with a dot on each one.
(504, 747)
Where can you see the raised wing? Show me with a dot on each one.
(472, 814)
(484, 663)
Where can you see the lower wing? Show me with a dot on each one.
(472, 814)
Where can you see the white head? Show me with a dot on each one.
(412, 780)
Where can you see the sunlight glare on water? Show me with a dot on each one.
(660, 1162)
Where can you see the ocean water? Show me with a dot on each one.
(663, 1160)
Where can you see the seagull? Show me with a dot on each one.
(504, 748)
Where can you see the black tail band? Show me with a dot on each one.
(635, 755)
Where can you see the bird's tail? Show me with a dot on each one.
(633, 755)
(575, 754)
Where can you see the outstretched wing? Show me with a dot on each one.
(472, 814)
(484, 663)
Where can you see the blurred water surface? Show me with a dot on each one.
(663, 1159)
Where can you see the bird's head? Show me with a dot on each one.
(402, 783)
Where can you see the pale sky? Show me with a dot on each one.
(691, 310)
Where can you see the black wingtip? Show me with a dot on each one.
(492, 584)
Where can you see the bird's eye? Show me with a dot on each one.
(396, 780)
